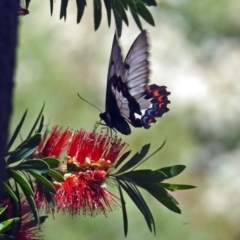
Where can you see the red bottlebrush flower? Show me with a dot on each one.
(23, 11)
(94, 150)
(41, 201)
(53, 143)
(90, 156)
(28, 230)
(86, 193)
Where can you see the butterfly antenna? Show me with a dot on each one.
(88, 102)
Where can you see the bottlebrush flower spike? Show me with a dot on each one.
(90, 156)
(54, 142)
(93, 150)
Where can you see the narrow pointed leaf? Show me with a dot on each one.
(135, 159)
(46, 183)
(55, 175)
(17, 131)
(139, 202)
(172, 171)
(108, 6)
(132, 5)
(173, 187)
(144, 13)
(124, 211)
(124, 4)
(35, 165)
(118, 23)
(117, 8)
(145, 176)
(151, 154)
(122, 158)
(27, 3)
(7, 225)
(124, 15)
(63, 10)
(32, 206)
(97, 13)
(21, 181)
(51, 7)
(26, 149)
(150, 2)
(41, 125)
(36, 122)
(10, 192)
(80, 9)
(149, 217)
(52, 162)
(2, 210)
(137, 20)
(162, 196)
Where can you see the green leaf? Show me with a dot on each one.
(122, 158)
(7, 225)
(173, 187)
(36, 122)
(27, 3)
(21, 181)
(151, 154)
(46, 183)
(172, 171)
(10, 192)
(32, 206)
(35, 165)
(26, 149)
(2, 210)
(17, 130)
(118, 23)
(124, 210)
(137, 20)
(145, 176)
(137, 198)
(55, 175)
(97, 13)
(124, 4)
(157, 191)
(80, 9)
(132, 5)
(63, 10)
(52, 162)
(150, 2)
(135, 159)
(124, 15)
(51, 7)
(108, 6)
(41, 125)
(144, 13)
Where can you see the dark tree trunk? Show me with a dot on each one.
(8, 40)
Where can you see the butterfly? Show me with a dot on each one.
(128, 92)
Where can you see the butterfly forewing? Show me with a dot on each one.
(136, 67)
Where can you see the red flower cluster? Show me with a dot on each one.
(28, 229)
(89, 158)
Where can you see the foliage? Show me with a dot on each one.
(117, 7)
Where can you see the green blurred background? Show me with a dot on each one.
(195, 52)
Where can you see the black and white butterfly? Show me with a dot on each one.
(128, 93)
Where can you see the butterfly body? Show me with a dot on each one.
(128, 93)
